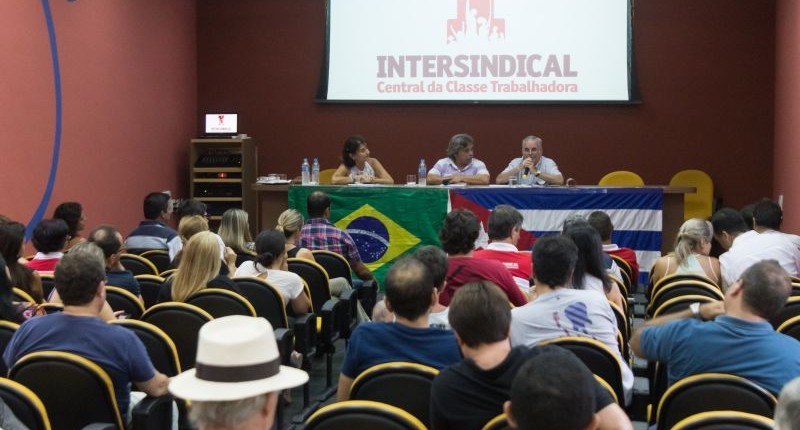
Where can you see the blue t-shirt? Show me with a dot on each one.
(123, 279)
(375, 343)
(115, 349)
(752, 350)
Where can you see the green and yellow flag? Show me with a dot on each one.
(386, 222)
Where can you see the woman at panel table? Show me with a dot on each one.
(358, 167)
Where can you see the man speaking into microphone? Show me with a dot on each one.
(532, 168)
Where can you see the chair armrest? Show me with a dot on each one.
(284, 337)
(368, 295)
(152, 413)
(348, 320)
(305, 333)
(331, 310)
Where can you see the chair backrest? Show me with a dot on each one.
(682, 288)
(138, 265)
(51, 308)
(48, 284)
(7, 330)
(22, 296)
(265, 299)
(221, 303)
(790, 327)
(362, 414)
(244, 256)
(499, 422)
(622, 178)
(182, 323)
(317, 279)
(625, 268)
(335, 264)
(160, 347)
(790, 309)
(677, 277)
(121, 299)
(795, 289)
(712, 392)
(25, 405)
(159, 258)
(725, 420)
(598, 358)
(677, 304)
(401, 384)
(326, 176)
(622, 321)
(698, 204)
(83, 395)
(149, 286)
(167, 273)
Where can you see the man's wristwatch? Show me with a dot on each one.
(695, 308)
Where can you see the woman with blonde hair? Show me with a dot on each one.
(189, 226)
(692, 247)
(290, 222)
(199, 269)
(234, 229)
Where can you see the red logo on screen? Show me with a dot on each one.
(221, 119)
(475, 22)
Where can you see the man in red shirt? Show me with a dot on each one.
(602, 223)
(505, 224)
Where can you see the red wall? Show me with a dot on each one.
(705, 71)
(128, 74)
(787, 111)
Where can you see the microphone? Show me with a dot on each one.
(527, 170)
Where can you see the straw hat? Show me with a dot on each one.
(237, 357)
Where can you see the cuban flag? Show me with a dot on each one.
(635, 213)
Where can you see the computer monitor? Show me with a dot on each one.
(221, 124)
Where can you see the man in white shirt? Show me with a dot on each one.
(532, 168)
(460, 165)
(746, 248)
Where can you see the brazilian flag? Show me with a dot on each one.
(386, 222)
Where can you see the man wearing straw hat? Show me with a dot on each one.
(237, 377)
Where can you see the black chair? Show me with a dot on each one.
(712, 392)
(338, 267)
(677, 304)
(48, 285)
(631, 279)
(362, 414)
(182, 323)
(167, 273)
(149, 286)
(221, 303)
(159, 258)
(401, 384)
(790, 310)
(21, 296)
(243, 256)
(795, 289)
(725, 420)
(138, 265)
(84, 393)
(7, 330)
(51, 308)
(121, 299)
(598, 358)
(160, 348)
(681, 288)
(654, 287)
(790, 327)
(499, 422)
(25, 404)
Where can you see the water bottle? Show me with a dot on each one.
(422, 173)
(315, 172)
(305, 172)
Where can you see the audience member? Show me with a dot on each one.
(554, 397)
(468, 394)
(49, 238)
(563, 311)
(270, 265)
(153, 232)
(787, 412)
(290, 222)
(9, 310)
(436, 261)
(319, 233)
(532, 168)
(505, 225)
(189, 226)
(108, 239)
(747, 215)
(93, 251)
(590, 273)
(458, 234)
(747, 247)
(234, 229)
(222, 395)
(12, 235)
(739, 340)
(80, 282)
(692, 248)
(410, 295)
(459, 166)
(199, 268)
(72, 214)
(358, 167)
(191, 207)
(602, 223)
